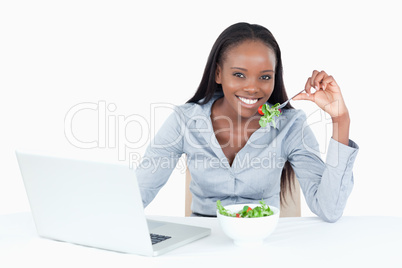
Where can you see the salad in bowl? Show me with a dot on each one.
(247, 224)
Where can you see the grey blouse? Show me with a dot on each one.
(256, 170)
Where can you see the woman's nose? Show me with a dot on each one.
(251, 87)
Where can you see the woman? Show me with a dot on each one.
(232, 158)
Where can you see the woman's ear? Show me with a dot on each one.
(218, 74)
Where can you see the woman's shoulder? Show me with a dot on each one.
(293, 113)
(291, 118)
(189, 110)
(185, 114)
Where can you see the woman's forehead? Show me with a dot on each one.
(251, 53)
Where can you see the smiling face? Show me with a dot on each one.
(247, 78)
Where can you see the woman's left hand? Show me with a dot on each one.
(327, 95)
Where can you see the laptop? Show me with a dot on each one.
(97, 205)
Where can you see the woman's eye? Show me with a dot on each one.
(266, 77)
(240, 75)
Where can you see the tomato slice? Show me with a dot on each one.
(260, 110)
(238, 215)
(249, 208)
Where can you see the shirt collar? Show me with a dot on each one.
(206, 108)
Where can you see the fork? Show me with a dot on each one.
(286, 102)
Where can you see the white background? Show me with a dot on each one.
(58, 54)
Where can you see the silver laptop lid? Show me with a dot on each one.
(86, 203)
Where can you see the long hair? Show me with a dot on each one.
(229, 38)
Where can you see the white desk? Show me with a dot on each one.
(296, 242)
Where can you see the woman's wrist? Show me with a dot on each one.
(340, 128)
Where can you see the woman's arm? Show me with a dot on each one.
(325, 185)
(161, 157)
(340, 128)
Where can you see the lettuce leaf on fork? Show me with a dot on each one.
(269, 113)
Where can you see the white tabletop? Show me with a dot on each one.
(296, 242)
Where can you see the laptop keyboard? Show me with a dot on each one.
(156, 238)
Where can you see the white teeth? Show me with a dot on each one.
(248, 101)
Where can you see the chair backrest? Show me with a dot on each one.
(292, 208)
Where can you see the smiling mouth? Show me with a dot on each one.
(248, 101)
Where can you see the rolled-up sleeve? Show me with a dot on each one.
(326, 186)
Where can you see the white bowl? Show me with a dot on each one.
(248, 231)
